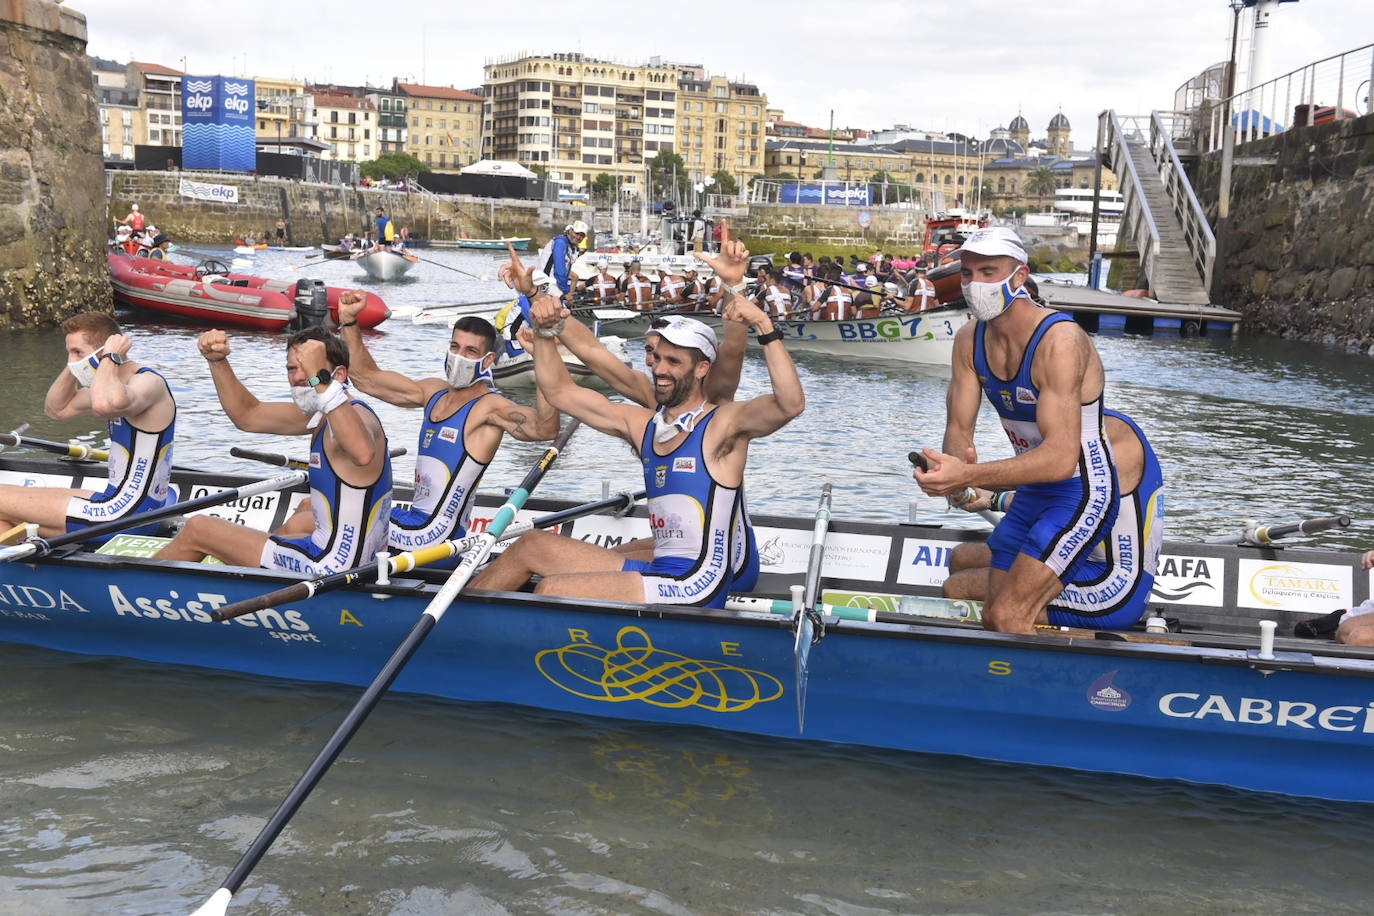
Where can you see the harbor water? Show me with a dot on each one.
(132, 789)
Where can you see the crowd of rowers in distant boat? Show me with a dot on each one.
(805, 289)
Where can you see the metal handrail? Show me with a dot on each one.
(1202, 244)
(1143, 221)
(1259, 108)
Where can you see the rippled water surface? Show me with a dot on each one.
(131, 789)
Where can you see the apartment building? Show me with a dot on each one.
(722, 125)
(445, 125)
(347, 123)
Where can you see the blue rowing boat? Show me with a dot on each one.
(895, 667)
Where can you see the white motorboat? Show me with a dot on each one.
(384, 263)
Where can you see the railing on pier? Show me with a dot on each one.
(1333, 89)
(1202, 244)
(1135, 210)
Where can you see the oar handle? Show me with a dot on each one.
(13, 437)
(284, 461)
(66, 449)
(1267, 534)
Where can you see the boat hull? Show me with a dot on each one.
(926, 338)
(385, 265)
(244, 301)
(1206, 710)
(493, 244)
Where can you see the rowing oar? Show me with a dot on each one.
(992, 518)
(66, 449)
(461, 305)
(1257, 535)
(43, 546)
(13, 436)
(285, 461)
(405, 562)
(447, 267)
(218, 904)
(804, 617)
(908, 606)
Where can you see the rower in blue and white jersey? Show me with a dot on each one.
(692, 453)
(1042, 375)
(140, 412)
(346, 519)
(1111, 589)
(462, 427)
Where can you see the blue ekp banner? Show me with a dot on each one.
(217, 123)
(834, 195)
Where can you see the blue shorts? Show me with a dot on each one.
(679, 580)
(1057, 524)
(1104, 598)
(748, 576)
(414, 519)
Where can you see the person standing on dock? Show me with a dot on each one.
(693, 453)
(1045, 379)
(136, 402)
(346, 519)
(556, 258)
(463, 424)
(281, 232)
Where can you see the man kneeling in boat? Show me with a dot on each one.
(463, 423)
(1045, 380)
(350, 468)
(1111, 590)
(693, 453)
(141, 415)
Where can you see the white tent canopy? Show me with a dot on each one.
(498, 167)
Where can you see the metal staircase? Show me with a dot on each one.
(1172, 238)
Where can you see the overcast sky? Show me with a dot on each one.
(965, 66)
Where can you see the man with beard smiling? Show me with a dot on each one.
(693, 454)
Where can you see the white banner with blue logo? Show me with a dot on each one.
(203, 190)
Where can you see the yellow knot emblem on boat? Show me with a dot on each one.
(637, 670)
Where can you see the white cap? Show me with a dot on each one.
(871, 282)
(997, 241)
(686, 332)
(603, 263)
(541, 280)
(862, 265)
(891, 289)
(579, 226)
(133, 207)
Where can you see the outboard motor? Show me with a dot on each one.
(312, 304)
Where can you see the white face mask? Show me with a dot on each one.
(309, 402)
(84, 369)
(665, 429)
(988, 300)
(462, 371)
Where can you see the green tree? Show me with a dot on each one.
(725, 183)
(1040, 182)
(786, 176)
(603, 186)
(877, 191)
(662, 168)
(539, 169)
(393, 165)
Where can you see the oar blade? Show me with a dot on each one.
(802, 659)
(217, 905)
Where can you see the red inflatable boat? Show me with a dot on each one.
(211, 296)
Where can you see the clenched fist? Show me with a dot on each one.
(351, 305)
(214, 345)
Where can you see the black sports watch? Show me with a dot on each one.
(765, 339)
(322, 378)
(113, 357)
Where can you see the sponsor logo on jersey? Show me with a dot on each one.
(661, 475)
(1025, 395)
(1006, 399)
(448, 434)
(315, 459)
(686, 465)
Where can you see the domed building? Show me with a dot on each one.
(1020, 130)
(1058, 143)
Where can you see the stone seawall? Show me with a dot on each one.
(1299, 260)
(320, 214)
(52, 215)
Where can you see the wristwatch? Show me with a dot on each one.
(113, 357)
(323, 377)
(765, 339)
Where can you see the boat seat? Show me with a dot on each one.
(240, 282)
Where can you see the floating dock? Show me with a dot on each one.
(1102, 312)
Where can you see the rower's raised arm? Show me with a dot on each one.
(768, 413)
(65, 399)
(565, 395)
(241, 406)
(579, 339)
(363, 371)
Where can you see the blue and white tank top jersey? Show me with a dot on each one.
(351, 522)
(1015, 401)
(1141, 518)
(691, 514)
(446, 478)
(140, 469)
